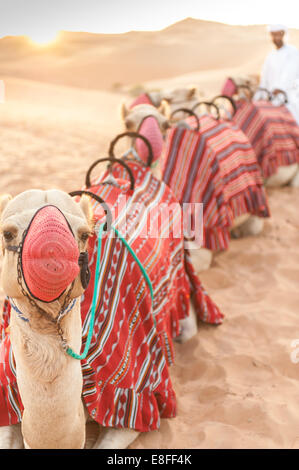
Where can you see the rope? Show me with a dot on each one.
(138, 262)
(69, 350)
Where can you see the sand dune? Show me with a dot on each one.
(106, 61)
(236, 384)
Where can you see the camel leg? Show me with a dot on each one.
(188, 326)
(111, 438)
(251, 227)
(11, 437)
(295, 180)
(201, 258)
(283, 176)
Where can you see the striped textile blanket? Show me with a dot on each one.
(216, 166)
(126, 380)
(241, 175)
(206, 310)
(272, 132)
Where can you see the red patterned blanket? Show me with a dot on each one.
(215, 166)
(206, 309)
(272, 132)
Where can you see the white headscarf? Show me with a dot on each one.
(273, 28)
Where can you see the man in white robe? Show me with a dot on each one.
(281, 71)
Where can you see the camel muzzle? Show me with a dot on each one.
(49, 255)
(149, 128)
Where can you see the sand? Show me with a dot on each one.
(236, 384)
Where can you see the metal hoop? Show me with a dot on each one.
(133, 135)
(111, 160)
(269, 96)
(100, 201)
(191, 113)
(245, 87)
(281, 92)
(228, 98)
(209, 104)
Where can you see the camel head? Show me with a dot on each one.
(180, 97)
(134, 117)
(240, 87)
(152, 124)
(43, 234)
(177, 98)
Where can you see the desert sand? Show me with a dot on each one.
(236, 384)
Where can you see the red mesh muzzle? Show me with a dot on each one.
(142, 99)
(229, 88)
(150, 129)
(49, 255)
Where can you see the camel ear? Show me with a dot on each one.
(164, 108)
(123, 111)
(4, 200)
(87, 209)
(191, 92)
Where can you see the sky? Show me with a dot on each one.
(42, 19)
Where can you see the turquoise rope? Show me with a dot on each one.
(138, 262)
(69, 350)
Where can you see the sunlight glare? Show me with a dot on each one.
(44, 38)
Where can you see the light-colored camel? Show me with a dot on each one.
(248, 88)
(245, 225)
(49, 380)
(177, 98)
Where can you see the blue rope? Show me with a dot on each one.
(20, 314)
(22, 317)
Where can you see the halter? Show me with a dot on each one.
(67, 304)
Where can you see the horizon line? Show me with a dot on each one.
(146, 30)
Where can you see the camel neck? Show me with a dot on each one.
(50, 382)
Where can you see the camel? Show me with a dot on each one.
(46, 329)
(177, 98)
(246, 90)
(49, 380)
(132, 120)
(244, 225)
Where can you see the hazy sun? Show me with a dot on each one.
(43, 38)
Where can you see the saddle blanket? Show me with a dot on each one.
(272, 132)
(217, 167)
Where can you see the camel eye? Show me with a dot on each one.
(8, 236)
(165, 125)
(129, 124)
(84, 236)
